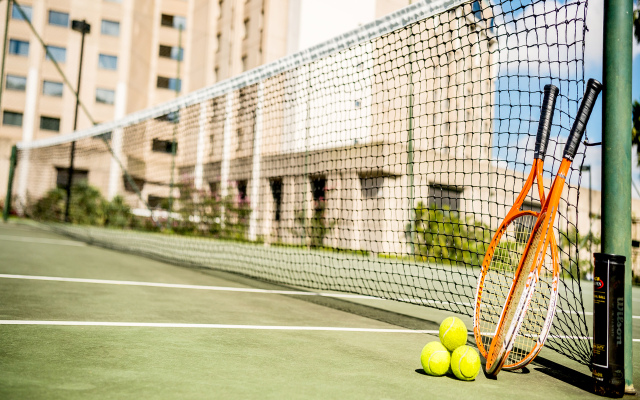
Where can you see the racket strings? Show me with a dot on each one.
(498, 281)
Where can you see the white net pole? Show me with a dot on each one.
(255, 174)
(202, 127)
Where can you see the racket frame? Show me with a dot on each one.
(513, 214)
(505, 336)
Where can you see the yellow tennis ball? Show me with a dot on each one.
(435, 359)
(453, 333)
(465, 363)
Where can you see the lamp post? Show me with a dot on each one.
(587, 168)
(83, 28)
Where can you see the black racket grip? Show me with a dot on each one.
(546, 116)
(584, 112)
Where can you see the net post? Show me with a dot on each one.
(255, 174)
(114, 168)
(12, 167)
(616, 152)
(226, 153)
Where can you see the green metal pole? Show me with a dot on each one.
(4, 47)
(12, 168)
(616, 151)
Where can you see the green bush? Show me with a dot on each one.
(87, 207)
(117, 213)
(573, 247)
(50, 207)
(205, 214)
(443, 235)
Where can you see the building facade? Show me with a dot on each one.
(139, 53)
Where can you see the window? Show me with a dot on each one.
(163, 146)
(246, 28)
(173, 21)
(107, 62)
(214, 188)
(12, 118)
(104, 136)
(445, 197)
(242, 191)
(318, 189)
(58, 53)
(371, 186)
(531, 205)
(105, 96)
(52, 88)
(276, 192)
(111, 28)
(244, 63)
(173, 52)
(50, 124)
(15, 14)
(139, 183)
(173, 116)
(15, 82)
(18, 47)
(169, 83)
(62, 178)
(158, 202)
(58, 18)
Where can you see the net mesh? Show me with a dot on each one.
(496, 285)
(378, 163)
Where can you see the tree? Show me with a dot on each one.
(445, 236)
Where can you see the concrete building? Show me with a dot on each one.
(134, 53)
(331, 139)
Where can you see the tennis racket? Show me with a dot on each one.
(523, 286)
(503, 257)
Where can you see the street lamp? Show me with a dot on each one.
(587, 168)
(83, 28)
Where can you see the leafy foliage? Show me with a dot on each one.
(87, 207)
(314, 230)
(206, 214)
(444, 235)
(579, 261)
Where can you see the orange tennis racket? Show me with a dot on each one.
(504, 254)
(523, 287)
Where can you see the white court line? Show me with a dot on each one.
(235, 289)
(181, 286)
(41, 240)
(246, 327)
(211, 326)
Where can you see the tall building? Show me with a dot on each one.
(144, 52)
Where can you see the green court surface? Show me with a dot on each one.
(78, 321)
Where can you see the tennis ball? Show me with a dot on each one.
(453, 333)
(465, 363)
(435, 359)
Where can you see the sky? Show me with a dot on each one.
(318, 23)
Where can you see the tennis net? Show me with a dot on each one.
(378, 163)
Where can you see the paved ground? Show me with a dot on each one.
(78, 321)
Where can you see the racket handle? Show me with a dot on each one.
(584, 112)
(546, 116)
